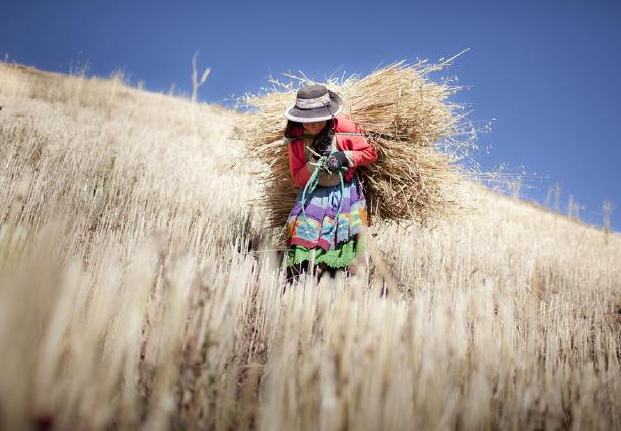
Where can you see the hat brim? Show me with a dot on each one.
(316, 114)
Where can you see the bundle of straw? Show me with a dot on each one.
(419, 136)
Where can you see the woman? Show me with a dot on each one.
(324, 152)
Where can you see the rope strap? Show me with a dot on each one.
(313, 181)
(311, 185)
(295, 138)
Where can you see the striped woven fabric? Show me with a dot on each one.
(316, 228)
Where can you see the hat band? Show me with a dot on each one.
(318, 102)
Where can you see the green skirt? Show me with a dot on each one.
(341, 256)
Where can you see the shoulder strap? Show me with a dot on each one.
(287, 140)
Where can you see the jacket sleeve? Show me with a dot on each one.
(359, 150)
(300, 169)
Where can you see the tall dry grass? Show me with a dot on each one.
(136, 293)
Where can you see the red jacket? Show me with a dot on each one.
(358, 148)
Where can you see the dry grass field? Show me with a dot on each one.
(138, 292)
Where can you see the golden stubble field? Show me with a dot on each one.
(138, 292)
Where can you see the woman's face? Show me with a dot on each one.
(314, 128)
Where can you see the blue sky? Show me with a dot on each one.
(547, 72)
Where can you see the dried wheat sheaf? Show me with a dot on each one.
(419, 134)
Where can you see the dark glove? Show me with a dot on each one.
(336, 160)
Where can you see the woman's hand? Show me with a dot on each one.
(336, 161)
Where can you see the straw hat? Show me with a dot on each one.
(314, 103)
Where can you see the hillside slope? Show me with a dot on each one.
(128, 249)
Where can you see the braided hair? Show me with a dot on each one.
(322, 142)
